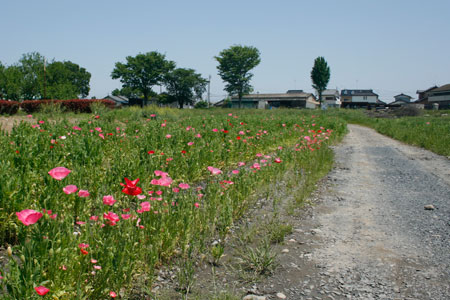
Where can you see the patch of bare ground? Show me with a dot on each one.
(367, 232)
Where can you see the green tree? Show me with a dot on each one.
(234, 67)
(184, 86)
(2, 81)
(142, 72)
(13, 82)
(320, 76)
(32, 68)
(129, 93)
(67, 80)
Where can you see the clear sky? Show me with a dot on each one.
(390, 46)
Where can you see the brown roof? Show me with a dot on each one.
(442, 88)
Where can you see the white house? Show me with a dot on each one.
(358, 98)
(331, 98)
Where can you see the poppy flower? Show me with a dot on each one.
(59, 173)
(111, 217)
(214, 171)
(112, 294)
(184, 186)
(28, 216)
(70, 189)
(84, 252)
(145, 206)
(277, 160)
(151, 152)
(83, 246)
(131, 188)
(109, 200)
(41, 290)
(83, 193)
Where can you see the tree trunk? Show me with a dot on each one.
(145, 99)
(240, 100)
(320, 99)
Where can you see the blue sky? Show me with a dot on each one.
(390, 46)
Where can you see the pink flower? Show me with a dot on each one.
(80, 222)
(83, 193)
(76, 128)
(112, 294)
(168, 136)
(41, 122)
(196, 204)
(235, 171)
(259, 154)
(70, 189)
(308, 139)
(83, 246)
(97, 267)
(184, 186)
(277, 160)
(126, 216)
(59, 173)
(41, 290)
(109, 200)
(101, 135)
(94, 261)
(111, 217)
(215, 130)
(29, 116)
(161, 173)
(28, 216)
(159, 193)
(99, 129)
(241, 163)
(93, 218)
(176, 190)
(214, 171)
(145, 206)
(190, 143)
(141, 197)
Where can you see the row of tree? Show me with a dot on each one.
(34, 78)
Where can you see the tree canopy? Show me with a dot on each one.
(142, 72)
(27, 79)
(234, 68)
(184, 86)
(320, 76)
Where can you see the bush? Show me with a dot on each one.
(201, 104)
(76, 105)
(8, 107)
(408, 111)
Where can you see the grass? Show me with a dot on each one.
(134, 143)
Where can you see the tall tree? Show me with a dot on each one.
(2, 81)
(12, 88)
(143, 71)
(320, 76)
(129, 93)
(32, 68)
(184, 86)
(67, 80)
(234, 67)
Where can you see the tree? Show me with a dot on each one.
(234, 67)
(142, 72)
(320, 75)
(184, 86)
(67, 80)
(32, 68)
(2, 81)
(128, 92)
(12, 88)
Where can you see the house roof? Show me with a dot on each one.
(120, 99)
(427, 90)
(358, 93)
(281, 96)
(330, 92)
(443, 88)
(403, 95)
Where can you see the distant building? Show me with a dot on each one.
(118, 100)
(441, 96)
(290, 99)
(400, 100)
(358, 98)
(424, 94)
(331, 98)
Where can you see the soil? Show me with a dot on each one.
(368, 232)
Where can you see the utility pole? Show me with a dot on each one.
(209, 89)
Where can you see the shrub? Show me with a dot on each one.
(201, 104)
(408, 111)
(8, 107)
(76, 105)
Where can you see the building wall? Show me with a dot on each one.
(368, 99)
(439, 98)
(403, 98)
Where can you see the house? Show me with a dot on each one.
(358, 98)
(331, 98)
(423, 95)
(400, 100)
(290, 99)
(441, 96)
(118, 100)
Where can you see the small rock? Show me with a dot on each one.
(285, 250)
(281, 296)
(429, 207)
(316, 231)
(254, 297)
(292, 241)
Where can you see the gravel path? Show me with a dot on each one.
(368, 236)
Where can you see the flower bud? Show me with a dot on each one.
(9, 251)
(51, 252)
(22, 258)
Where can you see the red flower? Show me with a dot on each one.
(151, 152)
(112, 294)
(131, 188)
(42, 290)
(28, 216)
(84, 252)
(238, 137)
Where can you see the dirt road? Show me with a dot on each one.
(368, 235)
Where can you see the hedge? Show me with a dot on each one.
(8, 107)
(75, 105)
